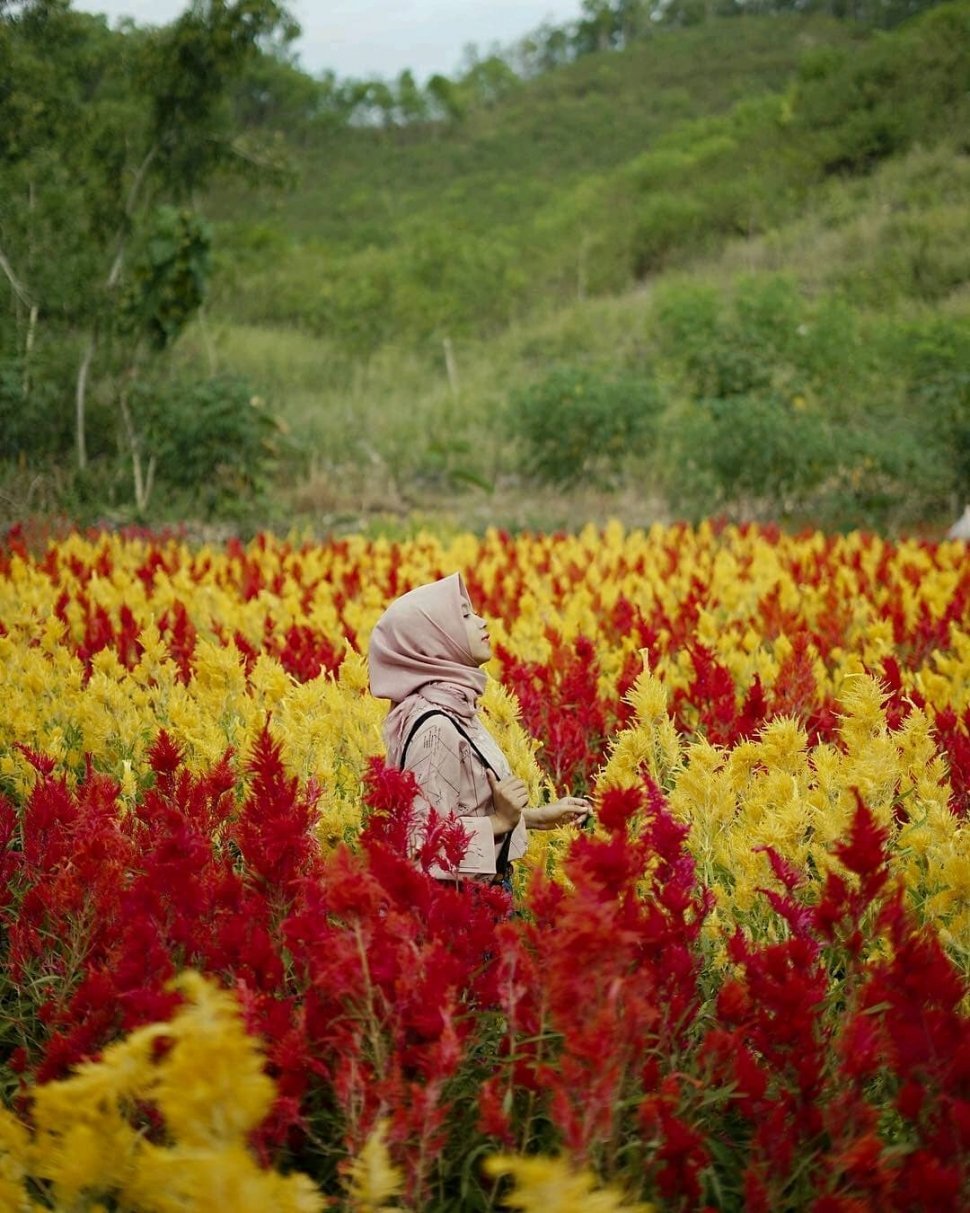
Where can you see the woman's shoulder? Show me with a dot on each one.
(425, 722)
(429, 724)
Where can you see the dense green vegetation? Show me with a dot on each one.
(718, 266)
(106, 141)
(564, 189)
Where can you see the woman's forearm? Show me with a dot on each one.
(571, 810)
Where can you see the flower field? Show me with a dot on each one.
(744, 988)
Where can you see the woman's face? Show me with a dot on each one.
(476, 629)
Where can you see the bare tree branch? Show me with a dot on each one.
(29, 349)
(18, 287)
(140, 173)
(111, 282)
(79, 403)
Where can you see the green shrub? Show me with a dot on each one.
(933, 361)
(761, 457)
(729, 350)
(756, 453)
(922, 256)
(888, 473)
(40, 424)
(23, 421)
(829, 356)
(765, 336)
(214, 439)
(858, 109)
(769, 310)
(577, 423)
(665, 220)
(686, 319)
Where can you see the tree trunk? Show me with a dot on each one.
(451, 366)
(32, 319)
(210, 349)
(581, 275)
(143, 478)
(79, 403)
(142, 482)
(18, 287)
(28, 350)
(114, 275)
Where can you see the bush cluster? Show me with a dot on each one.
(757, 401)
(785, 406)
(213, 439)
(576, 423)
(212, 444)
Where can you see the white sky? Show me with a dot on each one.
(381, 37)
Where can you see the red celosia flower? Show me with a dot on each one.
(733, 1002)
(493, 1119)
(618, 807)
(865, 851)
(165, 755)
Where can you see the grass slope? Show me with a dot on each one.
(411, 233)
(841, 201)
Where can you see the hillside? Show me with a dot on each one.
(802, 222)
(723, 270)
(460, 227)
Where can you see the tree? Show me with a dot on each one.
(412, 105)
(98, 130)
(381, 101)
(446, 99)
(62, 120)
(274, 94)
(488, 80)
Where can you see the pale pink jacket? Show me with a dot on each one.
(419, 659)
(453, 779)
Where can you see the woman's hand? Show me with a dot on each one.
(509, 796)
(571, 810)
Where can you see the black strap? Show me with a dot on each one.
(438, 712)
(502, 859)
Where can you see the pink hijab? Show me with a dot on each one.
(419, 645)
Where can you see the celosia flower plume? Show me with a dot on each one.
(743, 985)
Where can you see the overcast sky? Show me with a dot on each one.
(381, 37)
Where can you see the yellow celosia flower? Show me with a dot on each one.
(352, 675)
(771, 790)
(374, 1180)
(781, 746)
(212, 1088)
(211, 1092)
(552, 1185)
(185, 1179)
(270, 682)
(14, 1148)
(652, 743)
(863, 715)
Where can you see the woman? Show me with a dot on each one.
(425, 655)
